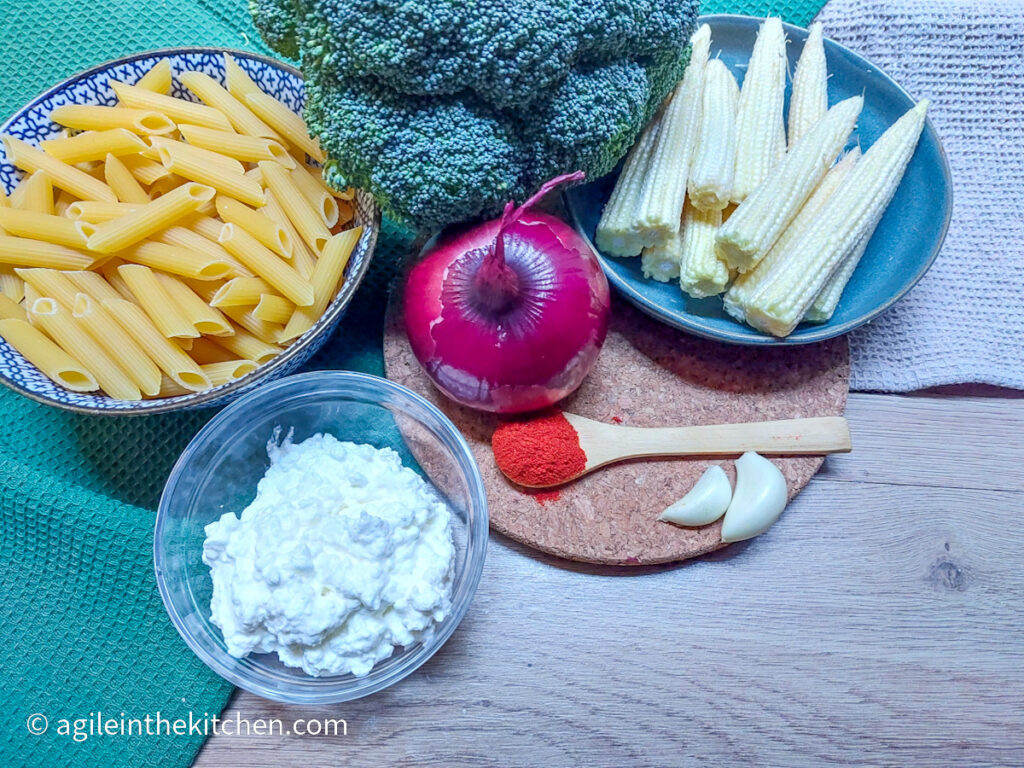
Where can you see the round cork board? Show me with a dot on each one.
(648, 375)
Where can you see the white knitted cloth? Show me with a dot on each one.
(964, 322)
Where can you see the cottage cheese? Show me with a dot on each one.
(343, 555)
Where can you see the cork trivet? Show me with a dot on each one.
(648, 375)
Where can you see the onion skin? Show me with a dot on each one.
(519, 347)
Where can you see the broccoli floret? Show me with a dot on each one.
(445, 109)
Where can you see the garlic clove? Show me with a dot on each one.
(705, 503)
(758, 500)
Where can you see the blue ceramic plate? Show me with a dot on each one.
(32, 124)
(904, 245)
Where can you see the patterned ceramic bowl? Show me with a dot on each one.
(31, 123)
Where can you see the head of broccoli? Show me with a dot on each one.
(446, 109)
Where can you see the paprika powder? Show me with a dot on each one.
(539, 452)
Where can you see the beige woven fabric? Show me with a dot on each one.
(964, 322)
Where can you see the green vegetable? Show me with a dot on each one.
(445, 109)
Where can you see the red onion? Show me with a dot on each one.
(509, 315)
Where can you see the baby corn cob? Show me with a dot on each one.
(853, 211)
(714, 159)
(701, 272)
(808, 102)
(739, 293)
(665, 186)
(826, 302)
(661, 262)
(755, 226)
(760, 129)
(618, 231)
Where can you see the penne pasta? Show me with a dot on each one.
(139, 224)
(115, 281)
(169, 358)
(273, 309)
(93, 145)
(266, 230)
(125, 186)
(178, 110)
(96, 212)
(36, 194)
(241, 292)
(162, 186)
(31, 294)
(327, 276)
(145, 171)
(61, 204)
(116, 341)
(11, 286)
(235, 185)
(245, 345)
(198, 154)
(153, 297)
(52, 361)
(290, 125)
(238, 82)
(18, 193)
(204, 289)
(89, 117)
(11, 310)
(317, 196)
(228, 370)
(52, 283)
(266, 264)
(67, 177)
(215, 95)
(60, 326)
(93, 284)
(302, 259)
(206, 226)
(41, 226)
(177, 261)
(183, 237)
(204, 318)
(24, 252)
(185, 344)
(158, 79)
(307, 220)
(248, 149)
(204, 351)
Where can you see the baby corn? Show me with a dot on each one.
(618, 231)
(809, 100)
(701, 272)
(826, 302)
(755, 226)
(745, 286)
(714, 159)
(665, 187)
(760, 130)
(661, 262)
(848, 216)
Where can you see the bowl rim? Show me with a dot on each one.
(476, 546)
(682, 321)
(210, 397)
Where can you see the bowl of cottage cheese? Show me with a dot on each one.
(321, 538)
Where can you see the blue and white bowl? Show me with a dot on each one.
(31, 123)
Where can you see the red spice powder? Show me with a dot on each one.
(541, 451)
(545, 497)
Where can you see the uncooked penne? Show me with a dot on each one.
(52, 361)
(93, 284)
(41, 226)
(264, 229)
(150, 218)
(36, 194)
(115, 281)
(177, 261)
(153, 297)
(23, 252)
(303, 258)
(307, 219)
(169, 358)
(89, 117)
(262, 330)
(67, 177)
(235, 185)
(178, 110)
(183, 237)
(11, 286)
(60, 326)
(158, 78)
(215, 95)
(162, 186)
(248, 149)
(204, 351)
(52, 283)
(97, 212)
(122, 182)
(318, 197)
(237, 80)
(229, 370)
(266, 264)
(241, 292)
(273, 309)
(93, 145)
(204, 318)
(327, 275)
(244, 344)
(288, 124)
(198, 154)
(101, 325)
(145, 171)
(10, 309)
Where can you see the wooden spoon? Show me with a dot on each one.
(609, 443)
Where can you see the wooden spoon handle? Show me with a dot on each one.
(826, 434)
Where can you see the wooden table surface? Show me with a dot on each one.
(879, 622)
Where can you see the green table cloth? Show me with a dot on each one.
(84, 632)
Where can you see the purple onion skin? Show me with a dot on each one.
(511, 334)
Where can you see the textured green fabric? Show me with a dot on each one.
(83, 628)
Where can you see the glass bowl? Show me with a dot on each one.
(219, 470)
